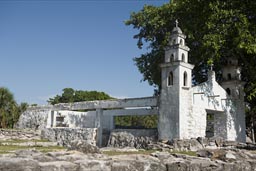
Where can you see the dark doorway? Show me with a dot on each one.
(209, 132)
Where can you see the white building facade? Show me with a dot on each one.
(184, 111)
(205, 110)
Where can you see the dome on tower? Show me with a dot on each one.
(176, 29)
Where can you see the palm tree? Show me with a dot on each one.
(8, 108)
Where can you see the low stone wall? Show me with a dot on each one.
(8, 134)
(138, 138)
(64, 136)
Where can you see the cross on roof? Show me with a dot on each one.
(211, 67)
(176, 23)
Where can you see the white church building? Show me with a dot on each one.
(205, 110)
(184, 111)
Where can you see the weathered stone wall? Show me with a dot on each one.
(40, 117)
(196, 122)
(185, 101)
(64, 136)
(73, 119)
(138, 138)
(168, 111)
(33, 119)
(229, 121)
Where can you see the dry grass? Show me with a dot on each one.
(146, 152)
(10, 146)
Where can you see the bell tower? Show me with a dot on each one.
(231, 79)
(234, 86)
(175, 96)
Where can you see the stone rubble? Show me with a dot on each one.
(64, 136)
(31, 160)
(83, 156)
(131, 138)
(83, 146)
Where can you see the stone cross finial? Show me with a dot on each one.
(176, 23)
(211, 67)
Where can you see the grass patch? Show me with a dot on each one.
(11, 148)
(23, 141)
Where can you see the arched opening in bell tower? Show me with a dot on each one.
(185, 79)
(170, 79)
(183, 57)
(229, 76)
(172, 58)
(181, 42)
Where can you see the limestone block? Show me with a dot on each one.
(138, 138)
(64, 136)
(58, 165)
(18, 164)
(83, 146)
(90, 165)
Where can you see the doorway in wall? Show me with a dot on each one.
(209, 132)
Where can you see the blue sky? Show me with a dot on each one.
(46, 46)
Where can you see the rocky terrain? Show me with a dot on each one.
(31, 160)
(82, 156)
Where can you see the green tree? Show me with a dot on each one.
(215, 29)
(69, 96)
(133, 121)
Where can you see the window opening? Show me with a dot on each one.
(185, 79)
(209, 132)
(170, 79)
(183, 57)
(229, 76)
(174, 41)
(181, 42)
(172, 58)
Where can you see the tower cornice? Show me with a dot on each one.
(177, 63)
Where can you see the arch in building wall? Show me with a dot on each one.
(170, 79)
(183, 57)
(181, 42)
(172, 58)
(185, 79)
